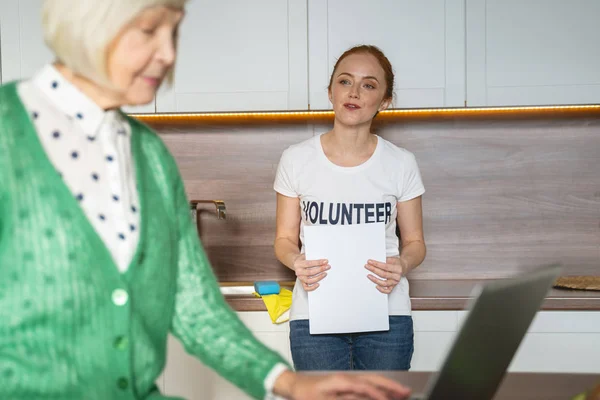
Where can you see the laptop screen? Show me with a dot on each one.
(490, 336)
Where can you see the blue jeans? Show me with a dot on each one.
(388, 350)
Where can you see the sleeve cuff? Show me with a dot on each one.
(412, 195)
(272, 376)
(281, 190)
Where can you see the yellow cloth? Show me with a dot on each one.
(278, 305)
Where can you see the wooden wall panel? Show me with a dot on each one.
(502, 195)
(237, 165)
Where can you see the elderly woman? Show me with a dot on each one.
(98, 255)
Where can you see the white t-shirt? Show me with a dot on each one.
(368, 193)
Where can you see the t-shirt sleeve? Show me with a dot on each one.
(284, 179)
(410, 184)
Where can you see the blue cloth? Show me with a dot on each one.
(388, 350)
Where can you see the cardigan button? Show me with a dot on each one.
(122, 383)
(121, 342)
(120, 297)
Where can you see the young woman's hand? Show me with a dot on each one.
(310, 272)
(391, 271)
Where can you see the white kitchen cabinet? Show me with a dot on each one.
(434, 332)
(531, 52)
(424, 41)
(236, 55)
(279, 54)
(559, 341)
(22, 48)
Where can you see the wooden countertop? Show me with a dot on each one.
(443, 295)
(517, 386)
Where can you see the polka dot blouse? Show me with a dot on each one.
(90, 149)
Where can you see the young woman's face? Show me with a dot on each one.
(143, 53)
(358, 89)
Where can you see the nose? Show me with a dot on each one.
(167, 51)
(354, 92)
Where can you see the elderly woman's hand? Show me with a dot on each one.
(391, 271)
(298, 386)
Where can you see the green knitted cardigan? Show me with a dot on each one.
(71, 325)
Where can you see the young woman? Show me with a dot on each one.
(351, 168)
(98, 254)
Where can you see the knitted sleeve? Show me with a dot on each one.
(4, 160)
(204, 322)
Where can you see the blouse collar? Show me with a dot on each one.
(71, 101)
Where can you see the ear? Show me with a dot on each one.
(385, 104)
(330, 95)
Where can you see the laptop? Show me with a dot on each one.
(498, 319)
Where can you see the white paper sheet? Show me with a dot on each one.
(346, 300)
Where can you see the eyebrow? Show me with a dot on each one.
(352, 76)
(156, 15)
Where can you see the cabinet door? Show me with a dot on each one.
(558, 341)
(434, 333)
(22, 48)
(561, 341)
(424, 41)
(237, 55)
(528, 52)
